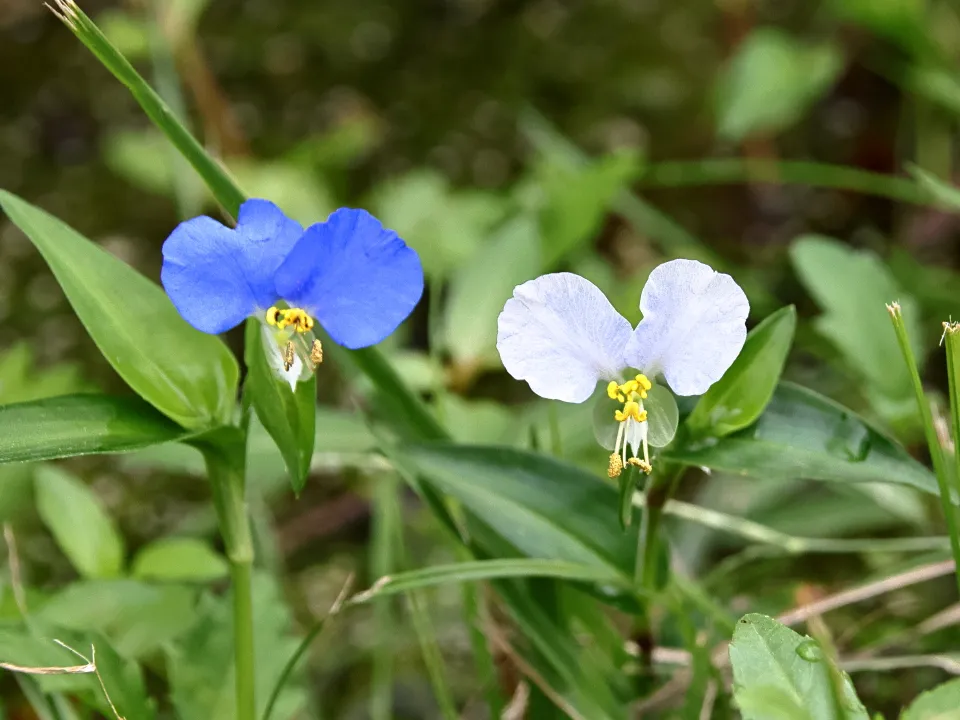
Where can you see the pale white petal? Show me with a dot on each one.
(693, 327)
(561, 334)
(634, 435)
(275, 359)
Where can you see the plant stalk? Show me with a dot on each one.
(221, 450)
(930, 432)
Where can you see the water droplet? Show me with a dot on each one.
(810, 651)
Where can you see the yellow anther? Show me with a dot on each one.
(643, 382)
(615, 467)
(288, 356)
(613, 390)
(642, 464)
(272, 314)
(631, 409)
(295, 317)
(630, 386)
(316, 353)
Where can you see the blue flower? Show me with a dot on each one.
(350, 274)
(561, 334)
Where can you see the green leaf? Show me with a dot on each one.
(179, 559)
(445, 227)
(200, 665)
(124, 684)
(546, 508)
(771, 81)
(802, 434)
(481, 287)
(853, 288)
(287, 415)
(81, 527)
(476, 570)
(778, 673)
(941, 703)
(946, 195)
(80, 425)
(187, 375)
(738, 398)
(576, 199)
(137, 617)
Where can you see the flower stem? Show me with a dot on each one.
(936, 451)
(657, 491)
(223, 451)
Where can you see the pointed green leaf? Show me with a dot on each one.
(288, 416)
(187, 375)
(546, 508)
(81, 527)
(802, 434)
(941, 703)
(771, 81)
(778, 673)
(738, 398)
(71, 425)
(179, 559)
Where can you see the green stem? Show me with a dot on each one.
(659, 488)
(726, 171)
(936, 451)
(221, 450)
(241, 574)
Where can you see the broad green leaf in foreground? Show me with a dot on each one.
(71, 425)
(187, 375)
(287, 415)
(780, 674)
(740, 396)
(179, 559)
(941, 703)
(546, 508)
(802, 434)
(82, 528)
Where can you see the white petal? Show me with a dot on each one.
(561, 334)
(693, 326)
(634, 435)
(275, 359)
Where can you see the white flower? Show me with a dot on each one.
(561, 335)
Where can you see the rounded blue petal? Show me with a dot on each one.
(358, 279)
(217, 276)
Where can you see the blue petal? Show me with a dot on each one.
(358, 279)
(216, 276)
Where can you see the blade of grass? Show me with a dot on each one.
(382, 563)
(951, 335)
(936, 452)
(388, 508)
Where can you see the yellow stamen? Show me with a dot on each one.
(613, 390)
(615, 467)
(288, 356)
(642, 464)
(297, 318)
(316, 353)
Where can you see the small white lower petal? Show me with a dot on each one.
(274, 355)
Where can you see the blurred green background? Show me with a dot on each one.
(502, 139)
